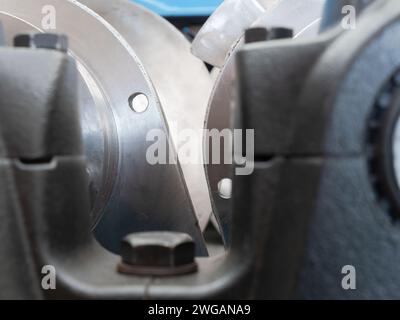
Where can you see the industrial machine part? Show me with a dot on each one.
(323, 195)
(119, 107)
(304, 18)
(333, 168)
(166, 56)
(157, 254)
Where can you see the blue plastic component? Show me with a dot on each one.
(181, 8)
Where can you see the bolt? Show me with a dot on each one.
(280, 33)
(157, 254)
(258, 34)
(50, 41)
(138, 102)
(255, 35)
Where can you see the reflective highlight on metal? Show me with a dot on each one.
(139, 102)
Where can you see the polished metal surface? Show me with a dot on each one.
(182, 81)
(304, 17)
(128, 193)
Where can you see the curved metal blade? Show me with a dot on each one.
(182, 81)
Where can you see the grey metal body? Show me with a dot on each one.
(304, 18)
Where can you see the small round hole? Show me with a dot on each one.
(139, 102)
(225, 188)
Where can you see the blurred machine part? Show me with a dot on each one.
(303, 17)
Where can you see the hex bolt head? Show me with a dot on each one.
(256, 34)
(157, 254)
(51, 41)
(280, 33)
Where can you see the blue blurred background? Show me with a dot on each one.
(181, 8)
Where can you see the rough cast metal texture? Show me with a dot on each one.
(362, 231)
(41, 162)
(343, 223)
